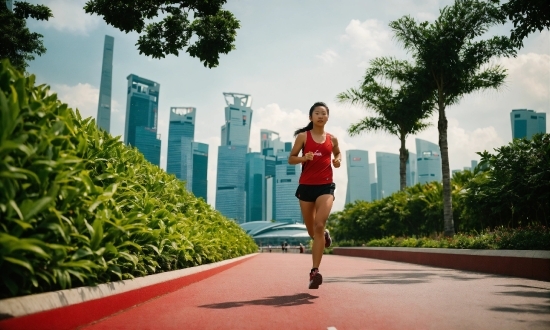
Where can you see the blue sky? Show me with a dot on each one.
(289, 54)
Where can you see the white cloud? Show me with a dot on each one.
(83, 97)
(328, 56)
(371, 38)
(69, 16)
(529, 73)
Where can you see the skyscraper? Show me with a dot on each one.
(526, 123)
(411, 170)
(199, 185)
(141, 117)
(105, 87)
(387, 168)
(255, 187)
(358, 188)
(9, 5)
(287, 208)
(474, 165)
(374, 182)
(231, 174)
(428, 163)
(181, 134)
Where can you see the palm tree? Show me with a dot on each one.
(456, 62)
(390, 89)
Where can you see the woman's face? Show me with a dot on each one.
(319, 116)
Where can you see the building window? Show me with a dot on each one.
(517, 116)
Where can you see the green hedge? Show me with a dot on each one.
(529, 238)
(78, 207)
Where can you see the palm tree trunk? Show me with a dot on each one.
(448, 224)
(403, 157)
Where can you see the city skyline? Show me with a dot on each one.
(287, 64)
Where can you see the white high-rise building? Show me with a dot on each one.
(428, 161)
(231, 173)
(358, 188)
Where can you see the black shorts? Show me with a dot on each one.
(309, 192)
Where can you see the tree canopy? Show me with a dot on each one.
(201, 26)
(528, 16)
(456, 61)
(19, 44)
(391, 89)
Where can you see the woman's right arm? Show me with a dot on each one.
(294, 159)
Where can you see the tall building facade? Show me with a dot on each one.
(142, 117)
(199, 185)
(181, 134)
(231, 173)
(287, 177)
(358, 188)
(255, 187)
(374, 182)
(105, 86)
(387, 168)
(428, 164)
(526, 123)
(411, 170)
(9, 5)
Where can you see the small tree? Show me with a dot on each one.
(456, 62)
(390, 89)
(213, 28)
(19, 45)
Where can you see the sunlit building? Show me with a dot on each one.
(359, 185)
(181, 134)
(231, 167)
(105, 86)
(199, 178)
(387, 168)
(287, 177)
(428, 163)
(142, 116)
(526, 123)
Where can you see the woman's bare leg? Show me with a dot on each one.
(323, 205)
(308, 213)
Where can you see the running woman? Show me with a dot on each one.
(316, 188)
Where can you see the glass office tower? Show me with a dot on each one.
(428, 162)
(231, 173)
(199, 178)
(358, 188)
(526, 123)
(255, 186)
(181, 133)
(374, 182)
(105, 86)
(411, 170)
(387, 168)
(142, 112)
(287, 177)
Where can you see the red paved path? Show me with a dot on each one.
(269, 291)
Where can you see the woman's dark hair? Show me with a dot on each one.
(309, 126)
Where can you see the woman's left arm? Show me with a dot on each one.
(336, 152)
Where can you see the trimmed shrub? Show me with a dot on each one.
(78, 207)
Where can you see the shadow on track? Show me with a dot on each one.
(277, 301)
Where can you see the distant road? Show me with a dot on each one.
(269, 291)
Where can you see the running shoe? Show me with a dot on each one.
(315, 279)
(328, 239)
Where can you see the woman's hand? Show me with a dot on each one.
(308, 156)
(336, 162)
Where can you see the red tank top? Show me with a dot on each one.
(318, 170)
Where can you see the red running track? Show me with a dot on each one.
(269, 291)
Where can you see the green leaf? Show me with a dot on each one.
(23, 263)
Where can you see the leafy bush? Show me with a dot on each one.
(514, 190)
(529, 238)
(78, 207)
